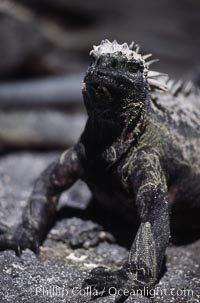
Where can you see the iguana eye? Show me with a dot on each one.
(132, 67)
(114, 62)
(99, 61)
(92, 58)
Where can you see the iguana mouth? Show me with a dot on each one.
(111, 79)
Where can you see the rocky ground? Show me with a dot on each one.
(75, 245)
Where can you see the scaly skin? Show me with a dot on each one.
(139, 154)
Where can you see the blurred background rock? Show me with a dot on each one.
(44, 46)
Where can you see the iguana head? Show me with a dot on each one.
(117, 78)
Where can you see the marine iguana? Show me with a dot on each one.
(139, 154)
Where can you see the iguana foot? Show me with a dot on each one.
(18, 239)
(107, 282)
(119, 283)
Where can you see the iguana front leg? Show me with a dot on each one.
(148, 249)
(147, 252)
(41, 207)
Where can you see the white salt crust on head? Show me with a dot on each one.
(112, 47)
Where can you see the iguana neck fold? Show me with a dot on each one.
(116, 135)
